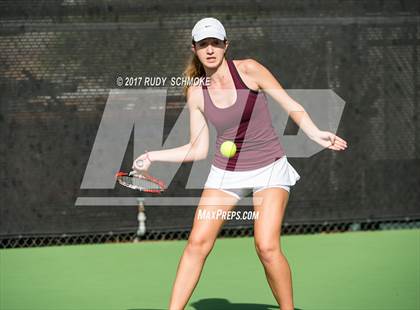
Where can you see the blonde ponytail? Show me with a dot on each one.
(193, 69)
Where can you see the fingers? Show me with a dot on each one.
(340, 145)
(341, 141)
(337, 143)
(138, 164)
(337, 147)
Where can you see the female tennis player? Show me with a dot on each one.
(259, 165)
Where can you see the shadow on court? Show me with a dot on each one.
(223, 304)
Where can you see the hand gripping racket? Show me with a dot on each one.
(141, 180)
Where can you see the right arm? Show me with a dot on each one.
(198, 146)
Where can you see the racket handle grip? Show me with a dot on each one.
(139, 162)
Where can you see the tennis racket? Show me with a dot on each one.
(140, 180)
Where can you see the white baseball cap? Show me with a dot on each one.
(208, 27)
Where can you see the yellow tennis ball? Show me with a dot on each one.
(228, 149)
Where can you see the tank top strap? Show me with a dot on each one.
(235, 75)
(205, 92)
(236, 80)
(207, 99)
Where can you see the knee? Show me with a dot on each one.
(267, 251)
(199, 246)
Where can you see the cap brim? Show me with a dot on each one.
(199, 37)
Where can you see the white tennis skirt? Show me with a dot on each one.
(280, 172)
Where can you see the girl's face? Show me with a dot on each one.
(210, 51)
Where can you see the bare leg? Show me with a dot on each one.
(267, 230)
(199, 245)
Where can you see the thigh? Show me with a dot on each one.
(211, 200)
(271, 205)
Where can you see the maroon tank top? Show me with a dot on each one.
(248, 124)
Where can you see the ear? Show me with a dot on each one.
(226, 45)
(193, 48)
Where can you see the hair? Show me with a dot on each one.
(194, 68)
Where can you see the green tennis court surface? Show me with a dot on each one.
(358, 270)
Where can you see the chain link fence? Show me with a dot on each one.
(59, 60)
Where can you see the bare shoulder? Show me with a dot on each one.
(248, 66)
(195, 99)
(250, 70)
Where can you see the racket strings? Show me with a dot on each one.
(140, 183)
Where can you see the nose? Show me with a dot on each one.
(210, 49)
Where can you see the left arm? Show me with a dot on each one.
(267, 82)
